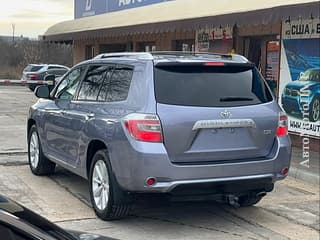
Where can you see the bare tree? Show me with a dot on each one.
(14, 57)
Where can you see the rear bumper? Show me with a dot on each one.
(151, 160)
(198, 183)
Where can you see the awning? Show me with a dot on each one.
(182, 15)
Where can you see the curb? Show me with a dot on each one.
(304, 176)
(13, 158)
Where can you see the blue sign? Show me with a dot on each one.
(86, 8)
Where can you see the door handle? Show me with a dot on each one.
(90, 116)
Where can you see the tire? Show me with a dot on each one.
(39, 164)
(314, 114)
(249, 200)
(32, 87)
(112, 203)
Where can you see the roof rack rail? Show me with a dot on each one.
(163, 54)
(234, 57)
(139, 55)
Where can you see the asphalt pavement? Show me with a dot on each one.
(290, 212)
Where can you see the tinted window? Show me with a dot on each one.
(68, 86)
(210, 86)
(92, 83)
(57, 72)
(116, 87)
(105, 86)
(33, 68)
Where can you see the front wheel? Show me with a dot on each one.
(109, 201)
(314, 110)
(39, 164)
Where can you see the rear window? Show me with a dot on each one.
(33, 68)
(206, 86)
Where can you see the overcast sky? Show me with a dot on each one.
(33, 17)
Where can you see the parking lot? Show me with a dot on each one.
(290, 212)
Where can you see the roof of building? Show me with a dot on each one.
(180, 14)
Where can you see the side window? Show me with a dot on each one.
(68, 86)
(92, 83)
(116, 87)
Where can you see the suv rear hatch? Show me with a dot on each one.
(214, 112)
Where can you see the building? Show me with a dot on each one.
(263, 31)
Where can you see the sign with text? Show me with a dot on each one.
(206, 39)
(300, 76)
(301, 29)
(85, 8)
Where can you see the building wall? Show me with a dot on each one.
(162, 41)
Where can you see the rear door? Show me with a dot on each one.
(212, 113)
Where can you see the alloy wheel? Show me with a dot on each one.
(100, 185)
(34, 150)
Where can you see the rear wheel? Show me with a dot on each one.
(39, 164)
(109, 201)
(249, 200)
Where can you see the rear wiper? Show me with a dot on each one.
(235, 99)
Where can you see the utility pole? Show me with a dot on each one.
(13, 29)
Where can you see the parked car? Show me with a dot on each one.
(20, 223)
(306, 90)
(172, 123)
(39, 71)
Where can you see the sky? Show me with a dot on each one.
(33, 17)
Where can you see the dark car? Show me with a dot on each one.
(305, 90)
(171, 123)
(37, 72)
(20, 223)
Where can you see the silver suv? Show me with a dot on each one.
(38, 72)
(183, 124)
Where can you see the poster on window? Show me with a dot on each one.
(300, 76)
(215, 40)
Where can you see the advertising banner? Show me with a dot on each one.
(218, 39)
(85, 8)
(300, 76)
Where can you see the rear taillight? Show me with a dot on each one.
(282, 129)
(144, 127)
(33, 76)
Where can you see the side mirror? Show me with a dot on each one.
(42, 91)
(50, 79)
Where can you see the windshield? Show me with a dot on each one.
(310, 75)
